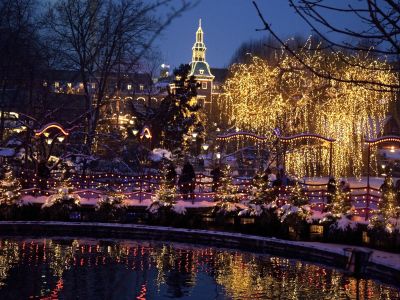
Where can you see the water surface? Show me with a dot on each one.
(96, 269)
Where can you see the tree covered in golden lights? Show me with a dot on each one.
(262, 95)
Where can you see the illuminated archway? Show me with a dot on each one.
(45, 128)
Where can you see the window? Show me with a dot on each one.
(56, 84)
(69, 84)
(129, 87)
(201, 71)
(93, 85)
(141, 87)
(204, 85)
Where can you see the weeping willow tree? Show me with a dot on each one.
(281, 93)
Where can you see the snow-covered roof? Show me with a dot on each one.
(158, 154)
(7, 152)
(13, 142)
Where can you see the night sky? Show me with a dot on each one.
(226, 24)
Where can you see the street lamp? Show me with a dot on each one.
(135, 132)
(205, 147)
(194, 135)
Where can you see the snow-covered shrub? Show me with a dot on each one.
(62, 203)
(111, 206)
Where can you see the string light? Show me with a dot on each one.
(264, 95)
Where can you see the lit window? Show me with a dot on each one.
(93, 85)
(204, 85)
(44, 83)
(69, 84)
(81, 85)
(141, 87)
(129, 87)
(201, 71)
(56, 84)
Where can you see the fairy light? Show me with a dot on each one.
(263, 95)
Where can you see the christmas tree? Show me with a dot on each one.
(340, 209)
(226, 194)
(165, 197)
(10, 188)
(261, 197)
(260, 192)
(296, 210)
(387, 216)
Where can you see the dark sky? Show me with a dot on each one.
(226, 24)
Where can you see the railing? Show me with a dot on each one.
(142, 187)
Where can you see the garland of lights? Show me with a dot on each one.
(263, 95)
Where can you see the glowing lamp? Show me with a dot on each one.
(46, 134)
(218, 155)
(60, 139)
(205, 147)
(49, 141)
(194, 135)
(135, 132)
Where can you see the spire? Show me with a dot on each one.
(199, 34)
(199, 66)
(199, 48)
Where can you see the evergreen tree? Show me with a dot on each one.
(178, 115)
(261, 197)
(297, 196)
(10, 188)
(226, 194)
(387, 216)
(339, 210)
(260, 192)
(340, 205)
(165, 196)
(297, 209)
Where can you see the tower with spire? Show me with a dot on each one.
(201, 70)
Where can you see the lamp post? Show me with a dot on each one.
(49, 134)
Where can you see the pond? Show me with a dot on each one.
(107, 269)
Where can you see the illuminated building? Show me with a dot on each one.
(201, 70)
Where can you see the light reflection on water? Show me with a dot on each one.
(93, 269)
